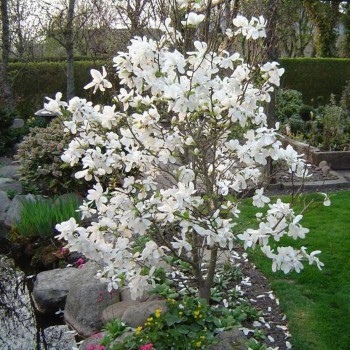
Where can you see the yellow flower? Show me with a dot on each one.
(149, 319)
(138, 330)
(198, 344)
(196, 314)
(181, 313)
(158, 312)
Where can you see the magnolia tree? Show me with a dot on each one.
(184, 173)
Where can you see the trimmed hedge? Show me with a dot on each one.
(33, 81)
(316, 78)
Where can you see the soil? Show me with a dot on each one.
(317, 174)
(257, 290)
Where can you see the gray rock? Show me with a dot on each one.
(86, 300)
(232, 339)
(11, 171)
(7, 184)
(4, 205)
(326, 170)
(117, 310)
(58, 338)
(17, 123)
(6, 161)
(322, 164)
(136, 315)
(14, 211)
(125, 295)
(51, 288)
(93, 340)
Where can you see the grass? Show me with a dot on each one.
(39, 217)
(317, 303)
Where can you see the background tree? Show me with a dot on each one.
(6, 87)
(62, 23)
(324, 15)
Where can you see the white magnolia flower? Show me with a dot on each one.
(326, 200)
(259, 200)
(193, 19)
(99, 81)
(54, 105)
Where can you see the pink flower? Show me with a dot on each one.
(64, 250)
(97, 336)
(80, 262)
(96, 347)
(148, 346)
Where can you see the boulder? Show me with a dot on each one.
(86, 300)
(322, 164)
(4, 205)
(125, 295)
(7, 184)
(117, 310)
(232, 339)
(10, 171)
(14, 211)
(92, 342)
(51, 288)
(17, 123)
(58, 337)
(137, 314)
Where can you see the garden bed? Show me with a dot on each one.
(338, 160)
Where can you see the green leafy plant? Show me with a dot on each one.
(8, 136)
(187, 324)
(42, 169)
(39, 217)
(288, 103)
(11, 193)
(333, 121)
(306, 112)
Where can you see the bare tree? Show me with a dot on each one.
(63, 23)
(6, 87)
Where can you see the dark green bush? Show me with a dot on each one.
(288, 103)
(306, 112)
(296, 124)
(8, 137)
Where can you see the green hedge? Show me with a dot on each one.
(33, 81)
(316, 78)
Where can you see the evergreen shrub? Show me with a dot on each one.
(316, 78)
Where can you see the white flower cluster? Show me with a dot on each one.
(174, 129)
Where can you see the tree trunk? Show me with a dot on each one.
(6, 87)
(70, 51)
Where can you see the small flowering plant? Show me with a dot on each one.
(186, 325)
(171, 124)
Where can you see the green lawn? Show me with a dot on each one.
(317, 303)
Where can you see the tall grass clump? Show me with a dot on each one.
(39, 216)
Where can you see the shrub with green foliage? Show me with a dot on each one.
(288, 103)
(345, 99)
(306, 112)
(42, 170)
(333, 126)
(8, 136)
